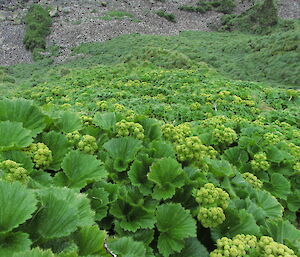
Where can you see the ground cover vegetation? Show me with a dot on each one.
(149, 161)
(38, 23)
(224, 6)
(153, 152)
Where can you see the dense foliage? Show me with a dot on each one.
(147, 151)
(142, 161)
(38, 23)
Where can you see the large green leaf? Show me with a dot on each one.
(99, 202)
(11, 243)
(167, 175)
(192, 248)
(69, 122)
(14, 136)
(90, 240)
(81, 168)
(107, 120)
(122, 150)
(36, 252)
(261, 204)
(24, 111)
(174, 224)
(293, 201)
(160, 149)
(269, 204)
(17, 203)
(279, 186)
(132, 210)
(144, 235)
(138, 174)
(127, 247)
(62, 211)
(275, 154)
(59, 146)
(19, 157)
(237, 222)
(220, 168)
(57, 218)
(151, 128)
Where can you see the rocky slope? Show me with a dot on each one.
(79, 21)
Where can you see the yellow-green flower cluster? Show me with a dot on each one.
(249, 245)
(215, 121)
(211, 217)
(86, 120)
(127, 128)
(191, 149)
(267, 247)
(119, 107)
(209, 196)
(213, 201)
(259, 162)
(297, 168)
(224, 135)
(74, 137)
(224, 93)
(294, 150)
(40, 154)
(235, 247)
(271, 138)
(88, 144)
(102, 105)
(14, 172)
(195, 106)
(252, 180)
(176, 133)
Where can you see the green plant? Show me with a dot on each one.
(38, 23)
(167, 159)
(168, 16)
(118, 15)
(224, 6)
(260, 18)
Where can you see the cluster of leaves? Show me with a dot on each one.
(140, 189)
(38, 23)
(168, 16)
(224, 6)
(118, 176)
(262, 18)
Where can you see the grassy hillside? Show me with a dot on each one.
(273, 58)
(152, 146)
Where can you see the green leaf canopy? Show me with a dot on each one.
(107, 121)
(174, 224)
(90, 240)
(36, 252)
(79, 169)
(59, 146)
(17, 204)
(192, 248)
(279, 186)
(127, 247)
(123, 151)
(11, 243)
(14, 136)
(69, 122)
(24, 111)
(133, 210)
(167, 175)
(62, 210)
